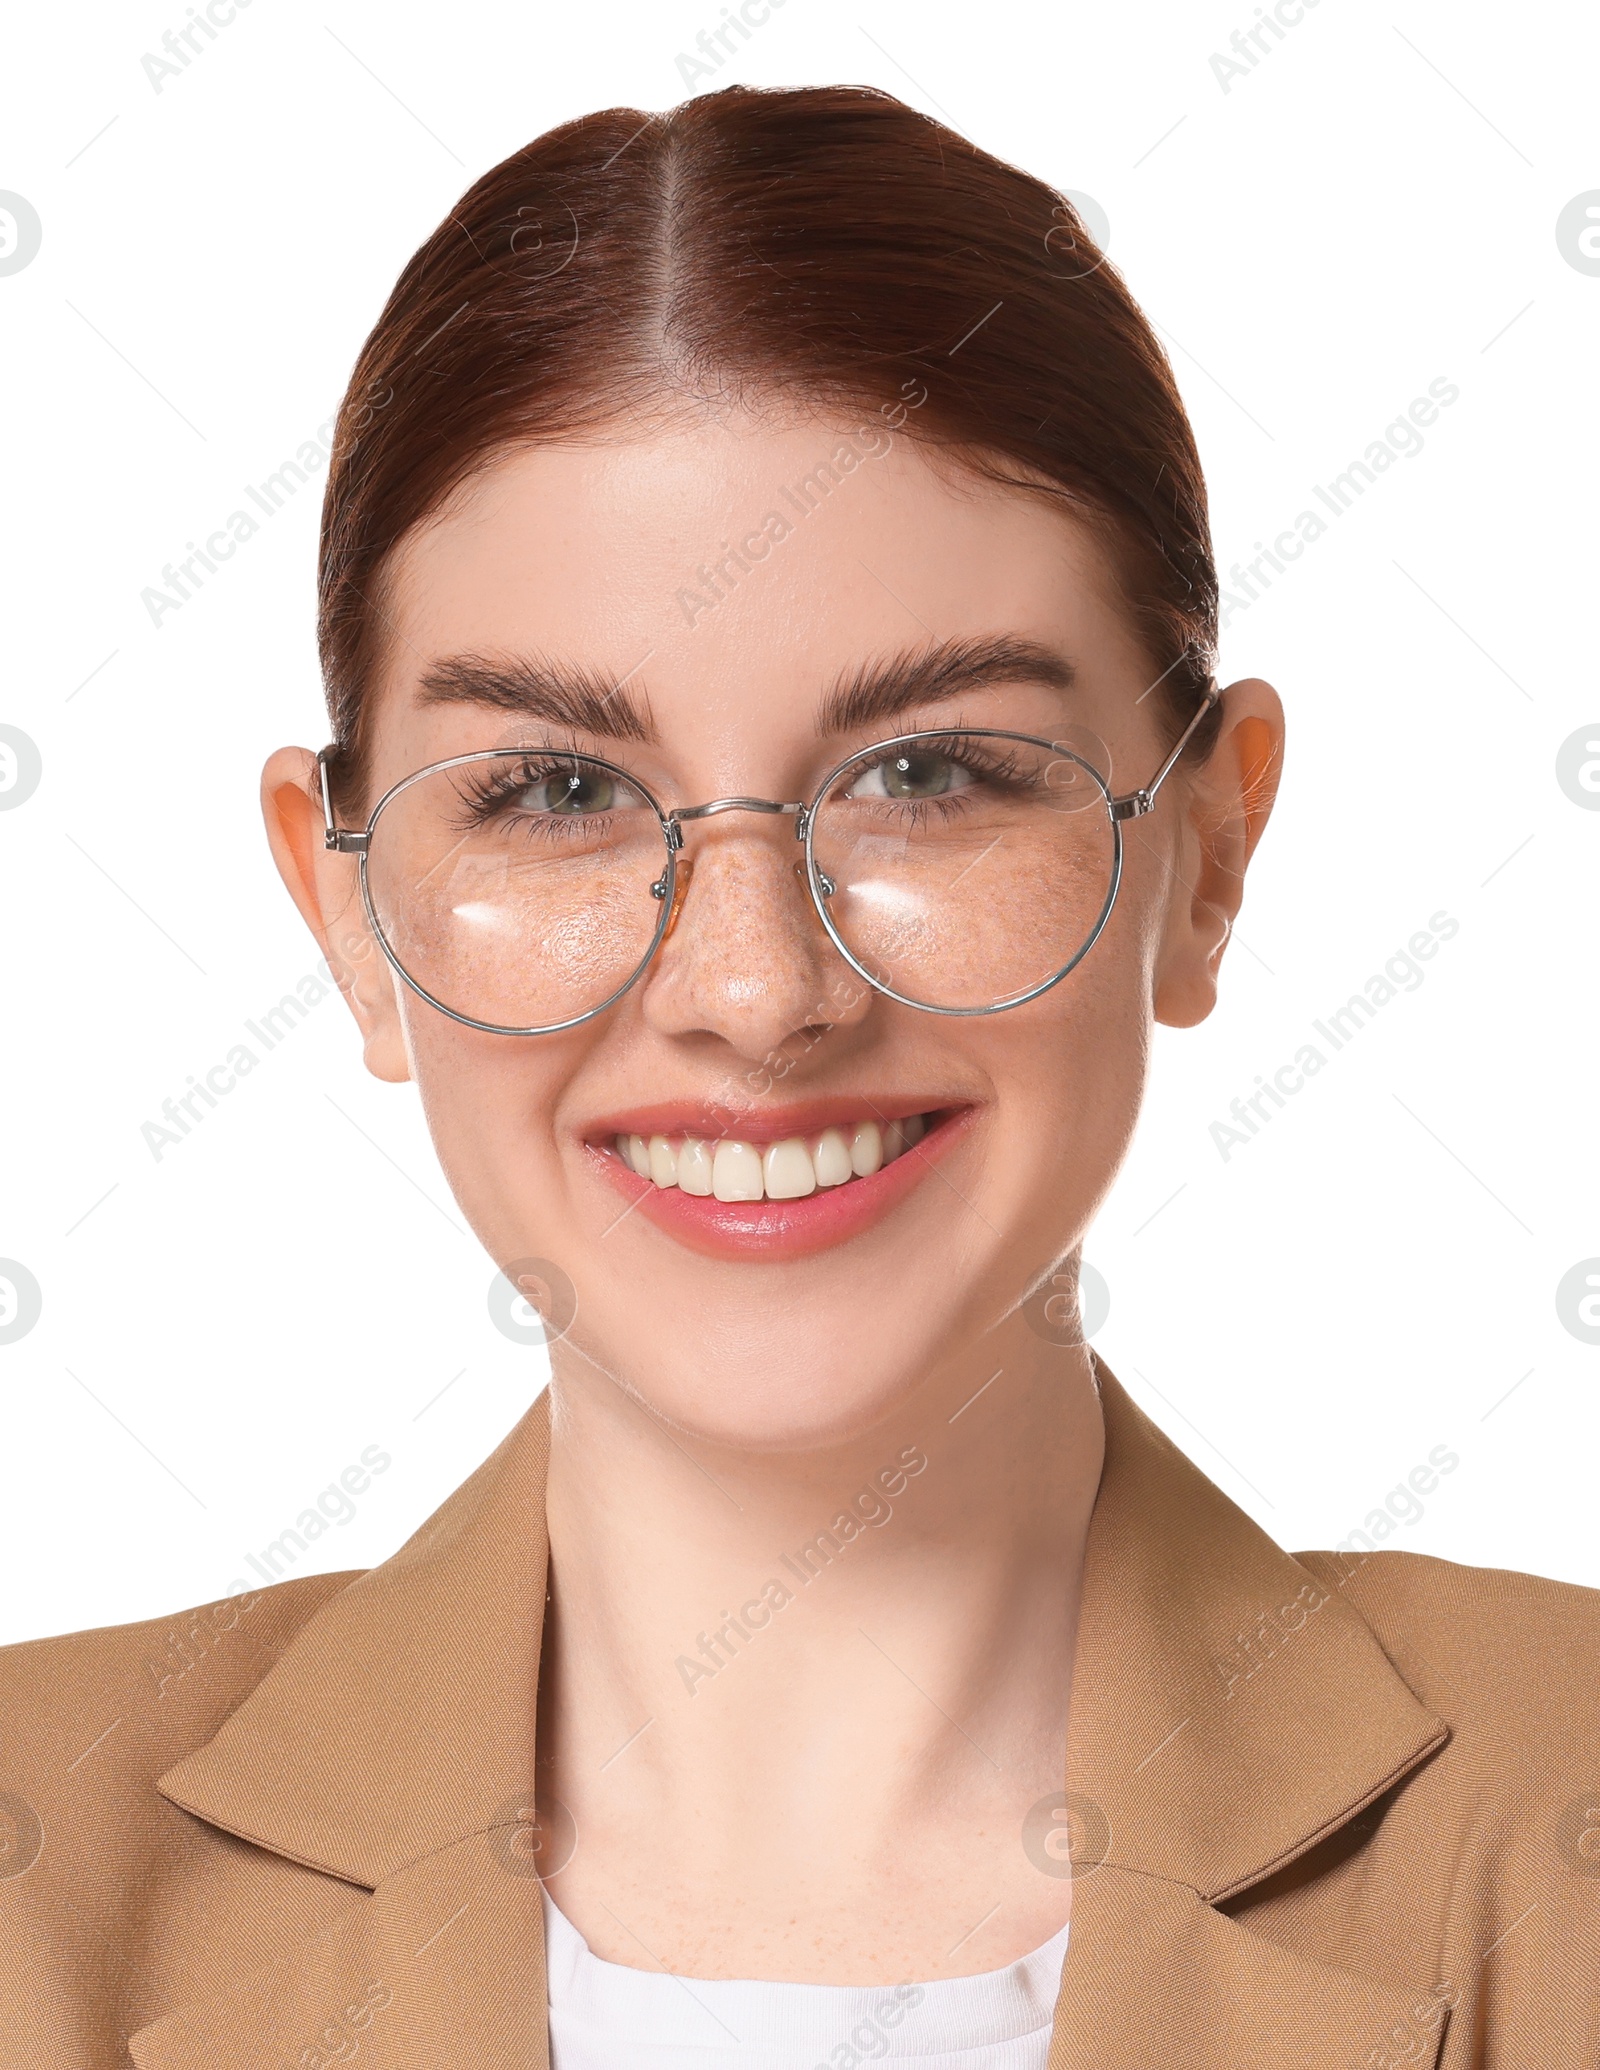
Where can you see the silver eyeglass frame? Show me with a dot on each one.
(1132, 804)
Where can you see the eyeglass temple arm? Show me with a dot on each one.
(341, 839)
(1136, 803)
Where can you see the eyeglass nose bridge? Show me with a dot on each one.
(673, 825)
(710, 810)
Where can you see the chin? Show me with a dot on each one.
(764, 1397)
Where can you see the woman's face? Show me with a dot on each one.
(795, 1322)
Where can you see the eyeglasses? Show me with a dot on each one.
(961, 871)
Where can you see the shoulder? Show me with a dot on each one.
(88, 1710)
(91, 1853)
(1495, 1653)
(1489, 1845)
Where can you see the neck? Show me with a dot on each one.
(819, 1646)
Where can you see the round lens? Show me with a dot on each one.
(966, 870)
(516, 889)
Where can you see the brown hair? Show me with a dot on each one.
(828, 245)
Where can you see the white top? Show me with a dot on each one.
(604, 2016)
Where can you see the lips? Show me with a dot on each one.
(785, 1184)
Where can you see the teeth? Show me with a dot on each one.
(787, 1171)
(736, 1172)
(866, 1149)
(831, 1156)
(694, 1166)
(790, 1170)
(898, 1136)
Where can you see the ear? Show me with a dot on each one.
(1225, 808)
(326, 888)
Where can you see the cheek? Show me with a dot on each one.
(1122, 973)
(1075, 1064)
(1101, 1053)
(489, 1102)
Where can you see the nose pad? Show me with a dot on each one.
(680, 891)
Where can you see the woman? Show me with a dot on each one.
(778, 780)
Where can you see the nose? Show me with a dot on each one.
(746, 958)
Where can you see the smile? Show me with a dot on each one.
(787, 1185)
(789, 1170)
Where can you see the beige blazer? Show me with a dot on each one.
(1330, 1813)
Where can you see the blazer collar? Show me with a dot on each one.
(401, 1717)
(1229, 1709)
(1228, 1712)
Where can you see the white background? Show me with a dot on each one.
(1371, 207)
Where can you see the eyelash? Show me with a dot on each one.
(484, 794)
(995, 769)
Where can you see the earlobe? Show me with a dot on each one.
(324, 887)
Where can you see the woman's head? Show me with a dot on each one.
(721, 445)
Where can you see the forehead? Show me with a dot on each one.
(736, 562)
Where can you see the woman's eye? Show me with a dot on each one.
(914, 774)
(574, 792)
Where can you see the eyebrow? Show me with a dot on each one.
(538, 688)
(591, 701)
(879, 690)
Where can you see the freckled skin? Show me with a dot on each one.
(807, 1810)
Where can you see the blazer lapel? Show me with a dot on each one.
(392, 1745)
(1156, 1978)
(443, 1963)
(1228, 1712)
